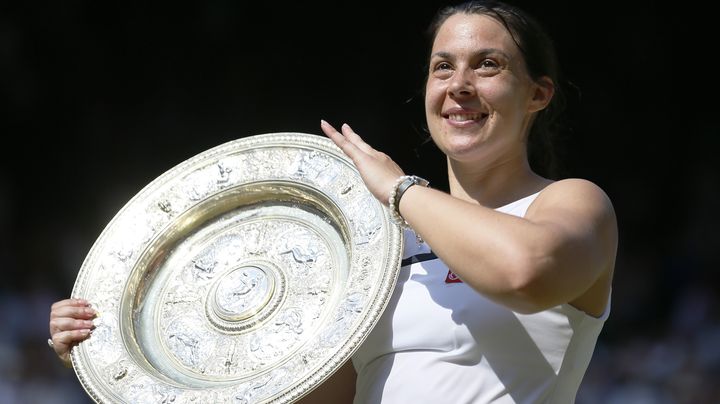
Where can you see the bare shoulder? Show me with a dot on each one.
(574, 199)
(574, 192)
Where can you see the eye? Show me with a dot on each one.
(442, 70)
(488, 64)
(442, 66)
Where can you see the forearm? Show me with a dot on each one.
(509, 259)
(550, 256)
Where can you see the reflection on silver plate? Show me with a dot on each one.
(246, 274)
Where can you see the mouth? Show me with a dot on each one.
(465, 118)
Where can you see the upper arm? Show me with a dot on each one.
(580, 214)
(580, 237)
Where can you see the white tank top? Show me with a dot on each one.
(443, 342)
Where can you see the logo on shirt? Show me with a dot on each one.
(452, 278)
(415, 259)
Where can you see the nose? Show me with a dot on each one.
(461, 83)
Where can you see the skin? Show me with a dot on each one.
(70, 323)
(480, 103)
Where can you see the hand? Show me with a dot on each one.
(70, 323)
(378, 171)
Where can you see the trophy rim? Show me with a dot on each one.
(343, 215)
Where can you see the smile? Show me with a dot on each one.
(464, 117)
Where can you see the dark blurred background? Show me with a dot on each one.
(100, 98)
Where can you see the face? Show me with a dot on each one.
(479, 99)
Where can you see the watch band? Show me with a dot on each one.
(402, 185)
(406, 183)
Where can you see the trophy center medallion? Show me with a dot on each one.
(242, 292)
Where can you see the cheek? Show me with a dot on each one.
(433, 119)
(431, 97)
(506, 98)
(495, 95)
(433, 101)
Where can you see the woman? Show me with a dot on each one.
(534, 257)
(503, 293)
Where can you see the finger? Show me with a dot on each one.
(68, 324)
(342, 142)
(332, 133)
(73, 311)
(62, 316)
(70, 302)
(355, 139)
(63, 341)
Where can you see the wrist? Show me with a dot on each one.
(66, 362)
(402, 184)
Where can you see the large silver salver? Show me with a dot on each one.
(248, 273)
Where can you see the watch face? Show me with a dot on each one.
(248, 273)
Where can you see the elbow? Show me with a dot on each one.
(529, 291)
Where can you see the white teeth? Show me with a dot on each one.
(464, 117)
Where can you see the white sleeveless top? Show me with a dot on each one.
(440, 342)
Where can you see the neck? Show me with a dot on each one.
(496, 185)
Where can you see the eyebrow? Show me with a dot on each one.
(481, 52)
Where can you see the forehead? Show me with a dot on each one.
(473, 32)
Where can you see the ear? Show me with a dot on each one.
(542, 94)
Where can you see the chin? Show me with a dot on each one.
(463, 153)
(459, 144)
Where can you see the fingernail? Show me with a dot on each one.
(322, 122)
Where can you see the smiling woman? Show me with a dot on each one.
(506, 282)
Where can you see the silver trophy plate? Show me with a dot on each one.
(248, 273)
